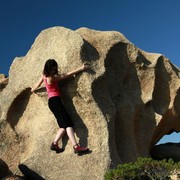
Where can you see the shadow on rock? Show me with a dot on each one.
(84, 153)
(4, 169)
(166, 151)
(18, 107)
(29, 174)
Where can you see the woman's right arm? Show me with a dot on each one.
(38, 84)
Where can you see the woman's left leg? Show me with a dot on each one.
(76, 146)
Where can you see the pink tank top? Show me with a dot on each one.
(52, 89)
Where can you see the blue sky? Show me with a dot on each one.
(152, 25)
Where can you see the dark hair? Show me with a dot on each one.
(50, 68)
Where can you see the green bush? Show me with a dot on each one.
(144, 169)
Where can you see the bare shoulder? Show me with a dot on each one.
(59, 77)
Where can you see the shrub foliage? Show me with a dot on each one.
(144, 169)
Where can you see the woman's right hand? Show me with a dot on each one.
(32, 90)
(85, 66)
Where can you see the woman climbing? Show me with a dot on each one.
(51, 77)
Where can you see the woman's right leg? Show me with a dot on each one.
(59, 135)
(54, 146)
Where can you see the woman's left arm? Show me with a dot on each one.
(71, 73)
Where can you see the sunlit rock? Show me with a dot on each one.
(121, 107)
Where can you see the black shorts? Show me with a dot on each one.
(59, 111)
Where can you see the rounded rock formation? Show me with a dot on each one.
(121, 107)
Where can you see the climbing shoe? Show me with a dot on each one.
(55, 147)
(78, 149)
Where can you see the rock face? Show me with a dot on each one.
(3, 81)
(121, 107)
